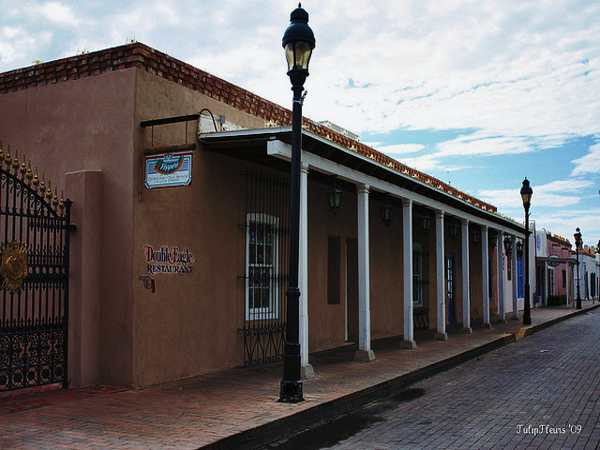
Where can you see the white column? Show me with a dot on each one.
(500, 245)
(407, 264)
(568, 283)
(466, 294)
(515, 313)
(440, 276)
(545, 280)
(485, 274)
(364, 352)
(307, 370)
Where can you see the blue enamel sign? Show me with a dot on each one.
(170, 170)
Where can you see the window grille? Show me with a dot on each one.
(264, 224)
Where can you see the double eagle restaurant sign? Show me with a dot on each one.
(168, 170)
(165, 259)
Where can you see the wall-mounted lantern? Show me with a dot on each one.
(493, 239)
(335, 196)
(454, 229)
(476, 235)
(508, 251)
(519, 249)
(386, 212)
(426, 223)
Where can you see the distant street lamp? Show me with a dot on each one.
(526, 193)
(578, 244)
(298, 42)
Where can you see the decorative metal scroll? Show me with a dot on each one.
(34, 273)
(264, 225)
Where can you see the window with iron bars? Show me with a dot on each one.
(262, 263)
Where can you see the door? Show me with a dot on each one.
(451, 288)
(352, 289)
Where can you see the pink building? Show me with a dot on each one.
(554, 269)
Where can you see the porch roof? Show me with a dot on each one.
(257, 139)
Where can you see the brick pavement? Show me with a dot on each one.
(550, 379)
(202, 410)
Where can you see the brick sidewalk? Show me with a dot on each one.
(203, 410)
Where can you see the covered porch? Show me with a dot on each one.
(371, 237)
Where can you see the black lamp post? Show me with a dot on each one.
(298, 42)
(578, 243)
(526, 193)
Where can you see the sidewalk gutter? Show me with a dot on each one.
(535, 328)
(262, 435)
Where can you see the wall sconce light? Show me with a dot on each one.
(454, 228)
(426, 223)
(335, 196)
(493, 239)
(508, 251)
(476, 236)
(386, 212)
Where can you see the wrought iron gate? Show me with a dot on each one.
(34, 277)
(265, 227)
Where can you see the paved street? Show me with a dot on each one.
(209, 408)
(542, 392)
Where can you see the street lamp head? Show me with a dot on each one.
(526, 193)
(298, 42)
(519, 248)
(577, 237)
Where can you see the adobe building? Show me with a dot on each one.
(179, 188)
(588, 273)
(554, 269)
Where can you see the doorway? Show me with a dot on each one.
(352, 290)
(451, 288)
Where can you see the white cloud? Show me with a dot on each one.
(556, 194)
(565, 222)
(55, 12)
(589, 163)
(400, 148)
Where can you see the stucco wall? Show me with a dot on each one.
(453, 248)
(86, 124)
(387, 311)
(475, 272)
(190, 324)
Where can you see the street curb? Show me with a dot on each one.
(535, 328)
(325, 412)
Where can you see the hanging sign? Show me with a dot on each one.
(168, 170)
(166, 259)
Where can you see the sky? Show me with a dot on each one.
(477, 93)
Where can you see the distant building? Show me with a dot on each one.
(588, 273)
(340, 130)
(554, 269)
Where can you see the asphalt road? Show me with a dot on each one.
(541, 392)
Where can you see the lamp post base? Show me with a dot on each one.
(578, 303)
(291, 392)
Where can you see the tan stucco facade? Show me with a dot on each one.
(190, 324)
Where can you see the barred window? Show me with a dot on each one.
(418, 281)
(262, 295)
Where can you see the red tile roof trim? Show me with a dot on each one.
(144, 57)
